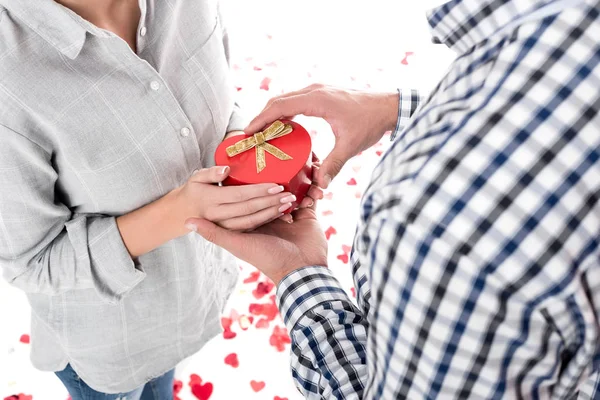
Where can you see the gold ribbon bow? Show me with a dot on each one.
(259, 140)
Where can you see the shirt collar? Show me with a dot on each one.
(463, 24)
(53, 22)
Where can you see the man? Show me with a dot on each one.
(476, 258)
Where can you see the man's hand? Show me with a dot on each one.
(277, 248)
(358, 120)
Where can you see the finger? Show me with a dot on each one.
(315, 159)
(332, 166)
(255, 220)
(238, 194)
(306, 202)
(211, 175)
(252, 206)
(310, 88)
(239, 244)
(293, 105)
(315, 192)
(287, 218)
(305, 213)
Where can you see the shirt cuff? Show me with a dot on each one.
(98, 243)
(409, 101)
(304, 289)
(237, 121)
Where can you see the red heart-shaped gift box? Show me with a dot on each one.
(294, 174)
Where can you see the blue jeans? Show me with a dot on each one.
(160, 388)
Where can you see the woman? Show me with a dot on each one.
(106, 110)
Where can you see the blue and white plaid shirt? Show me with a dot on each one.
(476, 261)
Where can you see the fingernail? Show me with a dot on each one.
(311, 202)
(291, 220)
(275, 190)
(191, 227)
(285, 207)
(288, 199)
(223, 170)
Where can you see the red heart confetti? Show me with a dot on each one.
(328, 195)
(19, 396)
(177, 386)
(358, 195)
(257, 68)
(226, 323)
(24, 339)
(346, 249)
(353, 291)
(257, 386)
(264, 85)
(343, 258)
(379, 153)
(202, 392)
(327, 213)
(268, 310)
(232, 359)
(194, 379)
(238, 88)
(262, 289)
(405, 59)
(351, 182)
(330, 231)
(262, 323)
(280, 398)
(229, 334)
(279, 338)
(254, 276)
(245, 322)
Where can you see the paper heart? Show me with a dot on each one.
(24, 339)
(280, 398)
(195, 379)
(346, 249)
(254, 276)
(351, 182)
(328, 195)
(264, 85)
(330, 231)
(262, 289)
(294, 174)
(226, 322)
(232, 360)
(257, 386)
(279, 338)
(229, 334)
(262, 323)
(245, 322)
(177, 386)
(327, 213)
(405, 59)
(343, 258)
(353, 291)
(379, 153)
(202, 391)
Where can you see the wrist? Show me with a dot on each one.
(388, 106)
(176, 211)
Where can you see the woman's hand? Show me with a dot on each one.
(239, 208)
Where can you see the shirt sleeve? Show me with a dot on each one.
(409, 102)
(46, 248)
(328, 333)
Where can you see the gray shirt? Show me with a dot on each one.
(89, 130)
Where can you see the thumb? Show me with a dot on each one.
(211, 175)
(331, 166)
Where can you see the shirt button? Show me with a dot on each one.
(143, 31)
(154, 85)
(185, 132)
